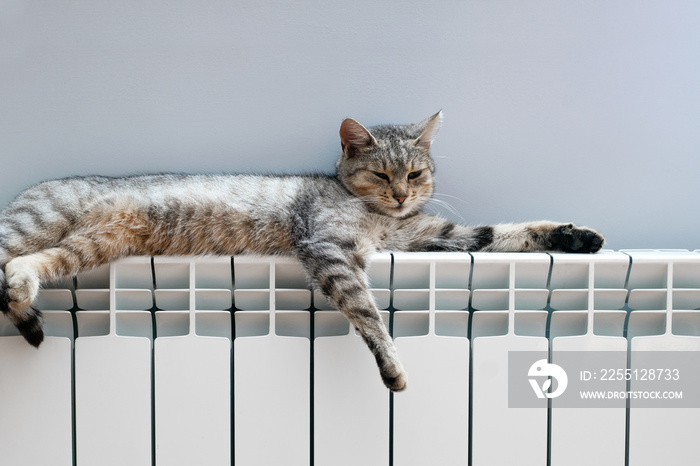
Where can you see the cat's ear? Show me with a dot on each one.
(355, 138)
(428, 130)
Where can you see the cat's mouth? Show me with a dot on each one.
(400, 210)
(395, 210)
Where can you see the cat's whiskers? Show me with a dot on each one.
(434, 210)
(446, 205)
(448, 195)
(460, 199)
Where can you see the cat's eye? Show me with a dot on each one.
(381, 175)
(415, 174)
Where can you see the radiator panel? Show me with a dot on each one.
(272, 365)
(193, 400)
(36, 386)
(192, 361)
(675, 429)
(602, 427)
(592, 283)
(351, 406)
(665, 275)
(431, 417)
(523, 430)
(272, 400)
(113, 400)
(35, 402)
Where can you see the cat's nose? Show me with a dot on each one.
(400, 199)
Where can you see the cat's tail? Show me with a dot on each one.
(29, 322)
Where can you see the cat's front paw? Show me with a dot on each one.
(572, 238)
(396, 382)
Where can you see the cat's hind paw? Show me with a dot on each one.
(29, 321)
(22, 286)
(18, 289)
(572, 238)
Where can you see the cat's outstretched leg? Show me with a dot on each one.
(547, 236)
(544, 236)
(353, 299)
(428, 233)
(339, 273)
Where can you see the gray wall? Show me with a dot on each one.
(562, 110)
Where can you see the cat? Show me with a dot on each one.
(331, 223)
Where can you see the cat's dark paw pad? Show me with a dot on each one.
(572, 238)
(31, 327)
(396, 383)
(4, 299)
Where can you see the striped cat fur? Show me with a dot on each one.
(331, 223)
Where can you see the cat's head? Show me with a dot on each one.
(389, 167)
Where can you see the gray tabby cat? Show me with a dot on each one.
(330, 223)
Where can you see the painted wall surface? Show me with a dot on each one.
(554, 109)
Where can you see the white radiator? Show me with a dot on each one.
(145, 363)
